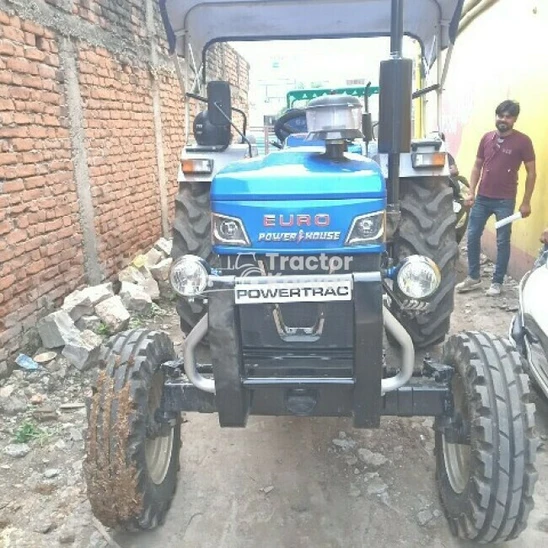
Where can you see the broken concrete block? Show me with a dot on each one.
(135, 298)
(56, 329)
(153, 257)
(77, 304)
(83, 352)
(89, 322)
(164, 245)
(113, 314)
(98, 293)
(160, 272)
(132, 275)
(152, 288)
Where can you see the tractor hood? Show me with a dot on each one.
(192, 25)
(296, 201)
(299, 174)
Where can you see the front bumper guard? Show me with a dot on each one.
(365, 396)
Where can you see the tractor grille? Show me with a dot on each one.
(297, 338)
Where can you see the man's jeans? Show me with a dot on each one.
(482, 209)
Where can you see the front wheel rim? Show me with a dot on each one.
(457, 464)
(457, 456)
(158, 449)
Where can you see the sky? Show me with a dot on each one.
(337, 59)
(277, 67)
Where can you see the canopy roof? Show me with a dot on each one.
(195, 24)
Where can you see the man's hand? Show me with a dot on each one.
(525, 210)
(469, 200)
(544, 237)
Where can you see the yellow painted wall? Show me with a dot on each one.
(503, 54)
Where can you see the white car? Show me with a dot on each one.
(529, 327)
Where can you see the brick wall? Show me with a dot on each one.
(121, 153)
(91, 128)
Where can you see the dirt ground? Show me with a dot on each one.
(281, 482)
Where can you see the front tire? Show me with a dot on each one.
(427, 228)
(486, 486)
(131, 458)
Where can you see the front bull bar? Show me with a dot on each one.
(367, 384)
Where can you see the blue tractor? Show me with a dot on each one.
(292, 266)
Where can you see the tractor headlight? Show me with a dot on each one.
(227, 230)
(418, 277)
(365, 229)
(189, 276)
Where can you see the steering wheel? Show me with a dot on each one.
(292, 121)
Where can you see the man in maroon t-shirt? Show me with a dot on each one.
(499, 157)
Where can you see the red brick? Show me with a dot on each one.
(47, 72)
(24, 66)
(35, 106)
(50, 273)
(32, 82)
(33, 28)
(26, 170)
(23, 118)
(35, 54)
(33, 244)
(6, 77)
(65, 232)
(6, 48)
(13, 132)
(20, 93)
(13, 186)
(36, 266)
(31, 157)
(7, 281)
(54, 225)
(48, 203)
(16, 236)
(5, 227)
(23, 222)
(21, 145)
(35, 182)
(30, 39)
(8, 158)
(13, 33)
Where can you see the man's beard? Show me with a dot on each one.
(503, 127)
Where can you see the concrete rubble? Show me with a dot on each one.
(113, 313)
(89, 314)
(57, 329)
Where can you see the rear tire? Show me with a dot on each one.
(192, 235)
(486, 486)
(131, 459)
(428, 228)
(460, 187)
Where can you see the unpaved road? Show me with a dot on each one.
(285, 483)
